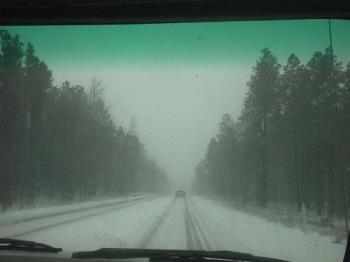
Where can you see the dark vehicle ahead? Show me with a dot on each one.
(180, 193)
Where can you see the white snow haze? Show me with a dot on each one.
(174, 107)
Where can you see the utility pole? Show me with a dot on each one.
(338, 134)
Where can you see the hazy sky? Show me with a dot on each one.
(177, 80)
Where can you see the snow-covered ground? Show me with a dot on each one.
(171, 234)
(121, 228)
(234, 230)
(21, 215)
(165, 222)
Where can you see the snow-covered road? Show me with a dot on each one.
(175, 223)
(233, 230)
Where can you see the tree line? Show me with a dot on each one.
(60, 142)
(291, 143)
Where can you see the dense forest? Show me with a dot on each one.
(291, 143)
(60, 142)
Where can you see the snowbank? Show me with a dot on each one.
(23, 215)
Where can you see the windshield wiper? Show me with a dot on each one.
(24, 245)
(158, 255)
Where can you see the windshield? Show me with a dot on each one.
(201, 136)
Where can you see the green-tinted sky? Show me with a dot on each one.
(223, 42)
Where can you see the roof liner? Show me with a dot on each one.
(27, 12)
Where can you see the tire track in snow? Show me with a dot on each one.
(152, 230)
(68, 212)
(195, 236)
(118, 206)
